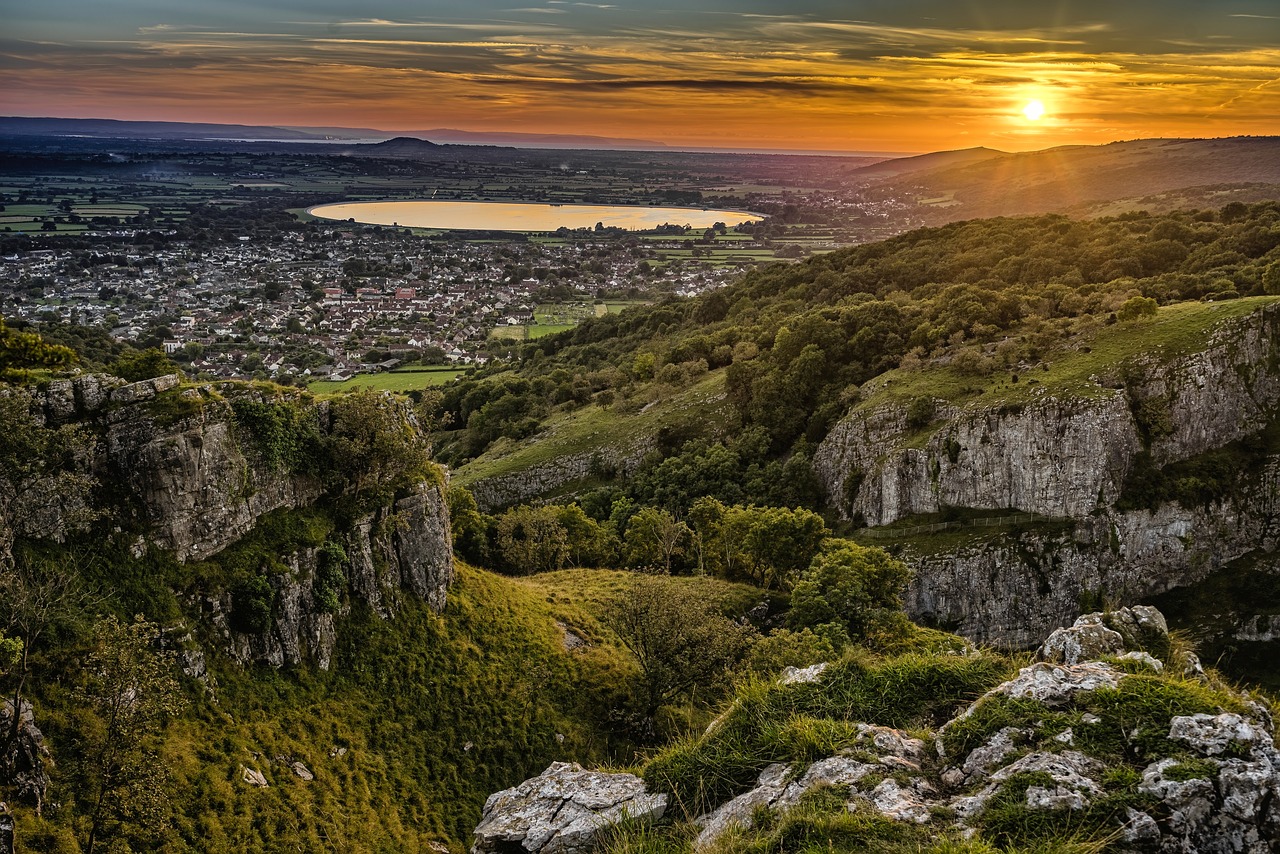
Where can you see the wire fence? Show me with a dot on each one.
(936, 527)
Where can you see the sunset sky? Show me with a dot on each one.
(861, 75)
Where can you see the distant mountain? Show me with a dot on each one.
(1081, 178)
(114, 129)
(400, 146)
(111, 128)
(927, 162)
(535, 140)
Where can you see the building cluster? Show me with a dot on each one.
(330, 304)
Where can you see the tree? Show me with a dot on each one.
(143, 365)
(1136, 308)
(128, 692)
(780, 543)
(33, 598)
(655, 537)
(532, 539)
(469, 527)
(854, 586)
(676, 636)
(375, 447)
(21, 350)
(589, 542)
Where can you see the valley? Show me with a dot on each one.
(841, 530)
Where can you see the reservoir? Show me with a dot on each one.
(524, 216)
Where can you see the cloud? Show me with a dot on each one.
(923, 68)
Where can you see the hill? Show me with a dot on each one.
(1078, 177)
(1032, 402)
(400, 146)
(926, 162)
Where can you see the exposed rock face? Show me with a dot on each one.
(1058, 456)
(175, 461)
(299, 632)
(562, 811)
(492, 493)
(199, 491)
(410, 542)
(23, 762)
(408, 547)
(1068, 458)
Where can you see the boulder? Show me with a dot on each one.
(738, 812)
(562, 811)
(253, 777)
(794, 675)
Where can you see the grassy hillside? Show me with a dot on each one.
(1074, 176)
(951, 312)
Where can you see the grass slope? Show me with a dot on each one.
(594, 428)
(418, 720)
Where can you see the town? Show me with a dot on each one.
(215, 258)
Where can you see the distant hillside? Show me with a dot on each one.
(401, 146)
(110, 128)
(928, 162)
(1081, 177)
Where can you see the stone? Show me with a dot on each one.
(24, 763)
(562, 811)
(1078, 643)
(1140, 828)
(1144, 658)
(301, 771)
(902, 803)
(981, 760)
(1056, 685)
(1212, 735)
(833, 771)
(737, 812)
(802, 675)
(253, 777)
(1072, 772)
(889, 742)
(569, 639)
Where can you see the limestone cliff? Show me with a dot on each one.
(1077, 456)
(178, 471)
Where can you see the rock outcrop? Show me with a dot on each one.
(24, 761)
(1072, 742)
(1066, 458)
(178, 465)
(562, 811)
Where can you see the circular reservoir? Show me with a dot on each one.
(524, 216)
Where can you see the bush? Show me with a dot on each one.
(855, 586)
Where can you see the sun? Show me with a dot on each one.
(1034, 110)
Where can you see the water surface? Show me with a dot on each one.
(524, 216)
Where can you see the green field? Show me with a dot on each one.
(550, 318)
(408, 379)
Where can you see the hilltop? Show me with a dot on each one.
(979, 183)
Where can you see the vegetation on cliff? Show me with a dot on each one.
(969, 305)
